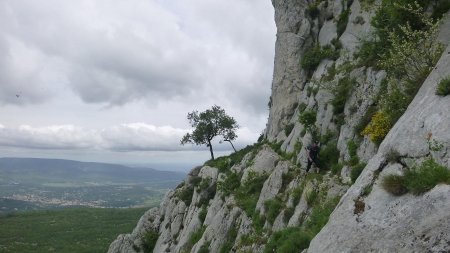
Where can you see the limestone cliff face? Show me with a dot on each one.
(399, 224)
(293, 34)
(238, 203)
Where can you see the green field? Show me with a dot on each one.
(81, 230)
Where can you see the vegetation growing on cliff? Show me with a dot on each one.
(443, 88)
(407, 35)
(417, 180)
(295, 239)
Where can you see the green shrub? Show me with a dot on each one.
(312, 58)
(195, 237)
(229, 242)
(378, 127)
(356, 171)
(354, 160)
(204, 184)
(202, 214)
(394, 184)
(288, 212)
(288, 128)
(365, 120)
(273, 208)
(369, 53)
(417, 180)
(320, 214)
(230, 184)
(296, 239)
(328, 155)
(226, 162)
(366, 190)
(248, 192)
(195, 180)
(149, 241)
(341, 93)
(393, 156)
(426, 177)
(258, 222)
(336, 168)
(443, 88)
(301, 107)
(185, 194)
(327, 137)
(289, 240)
(221, 163)
(276, 147)
(342, 22)
(308, 118)
(352, 148)
(297, 193)
(311, 197)
(286, 178)
(331, 73)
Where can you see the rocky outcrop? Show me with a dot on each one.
(407, 223)
(293, 37)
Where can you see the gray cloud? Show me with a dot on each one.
(126, 51)
(121, 138)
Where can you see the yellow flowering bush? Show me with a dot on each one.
(378, 127)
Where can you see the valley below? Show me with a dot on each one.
(36, 184)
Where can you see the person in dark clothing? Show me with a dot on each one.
(313, 153)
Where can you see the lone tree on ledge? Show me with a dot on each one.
(209, 124)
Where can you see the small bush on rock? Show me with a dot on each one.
(149, 241)
(426, 177)
(417, 180)
(378, 128)
(443, 88)
(394, 184)
(342, 22)
(289, 240)
(308, 118)
(273, 208)
(356, 171)
(315, 55)
(288, 129)
(185, 194)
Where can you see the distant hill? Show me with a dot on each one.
(37, 169)
(32, 184)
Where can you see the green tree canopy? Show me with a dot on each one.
(209, 124)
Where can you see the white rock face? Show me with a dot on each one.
(265, 162)
(407, 223)
(272, 185)
(292, 34)
(130, 242)
(327, 33)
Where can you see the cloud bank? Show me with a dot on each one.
(120, 138)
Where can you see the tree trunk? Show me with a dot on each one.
(231, 145)
(211, 150)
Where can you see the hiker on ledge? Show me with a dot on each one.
(313, 152)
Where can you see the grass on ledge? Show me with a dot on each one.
(417, 180)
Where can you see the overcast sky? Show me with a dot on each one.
(113, 81)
